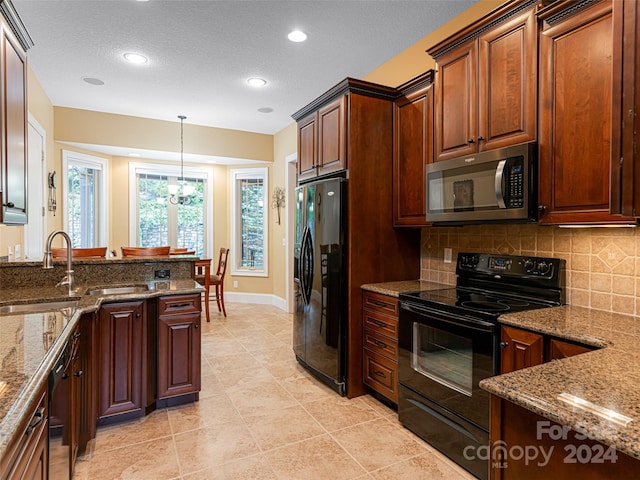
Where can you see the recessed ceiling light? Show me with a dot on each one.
(257, 82)
(297, 36)
(265, 110)
(92, 81)
(135, 58)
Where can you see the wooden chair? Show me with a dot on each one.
(91, 252)
(145, 251)
(181, 251)
(216, 281)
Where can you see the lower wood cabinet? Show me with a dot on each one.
(178, 345)
(26, 458)
(380, 352)
(567, 455)
(122, 353)
(522, 349)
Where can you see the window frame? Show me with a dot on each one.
(236, 174)
(102, 213)
(205, 173)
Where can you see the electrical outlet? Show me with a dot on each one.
(448, 255)
(235, 284)
(17, 251)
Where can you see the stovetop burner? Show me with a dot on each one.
(491, 285)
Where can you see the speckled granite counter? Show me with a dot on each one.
(393, 289)
(609, 377)
(30, 343)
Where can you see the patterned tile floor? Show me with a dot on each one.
(262, 417)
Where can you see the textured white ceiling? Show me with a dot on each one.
(201, 53)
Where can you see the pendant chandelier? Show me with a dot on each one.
(182, 193)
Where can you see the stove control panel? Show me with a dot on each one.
(512, 265)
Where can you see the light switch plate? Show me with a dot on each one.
(448, 255)
(17, 252)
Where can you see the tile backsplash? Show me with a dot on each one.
(603, 264)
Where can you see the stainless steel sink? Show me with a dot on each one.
(118, 290)
(37, 307)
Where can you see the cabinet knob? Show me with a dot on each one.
(138, 315)
(481, 138)
(196, 326)
(471, 140)
(541, 208)
(79, 373)
(504, 344)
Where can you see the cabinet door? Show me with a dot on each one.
(559, 349)
(307, 146)
(122, 372)
(178, 354)
(456, 101)
(14, 130)
(412, 151)
(507, 83)
(520, 349)
(576, 84)
(332, 149)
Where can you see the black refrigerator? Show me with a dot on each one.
(319, 326)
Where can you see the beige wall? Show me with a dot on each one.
(603, 264)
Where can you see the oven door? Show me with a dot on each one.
(443, 357)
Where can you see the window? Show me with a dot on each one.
(84, 199)
(156, 220)
(249, 221)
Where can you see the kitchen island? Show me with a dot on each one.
(595, 394)
(31, 340)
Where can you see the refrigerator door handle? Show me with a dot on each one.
(306, 260)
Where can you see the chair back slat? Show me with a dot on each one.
(88, 252)
(145, 251)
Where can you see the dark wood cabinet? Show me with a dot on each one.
(523, 349)
(567, 455)
(122, 353)
(26, 457)
(486, 83)
(14, 41)
(412, 151)
(520, 349)
(178, 345)
(577, 48)
(321, 140)
(625, 175)
(380, 352)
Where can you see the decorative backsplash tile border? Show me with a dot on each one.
(603, 264)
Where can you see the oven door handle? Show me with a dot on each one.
(450, 318)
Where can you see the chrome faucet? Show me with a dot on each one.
(47, 262)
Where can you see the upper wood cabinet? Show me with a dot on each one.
(14, 42)
(486, 82)
(625, 176)
(412, 150)
(577, 81)
(323, 132)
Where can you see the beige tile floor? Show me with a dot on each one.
(262, 416)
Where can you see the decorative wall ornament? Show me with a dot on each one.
(278, 201)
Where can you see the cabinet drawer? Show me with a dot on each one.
(381, 374)
(380, 344)
(381, 323)
(177, 304)
(380, 303)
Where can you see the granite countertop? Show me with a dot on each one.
(393, 289)
(31, 342)
(608, 378)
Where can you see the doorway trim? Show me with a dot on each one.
(290, 174)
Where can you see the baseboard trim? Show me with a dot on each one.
(258, 298)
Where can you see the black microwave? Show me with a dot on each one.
(494, 186)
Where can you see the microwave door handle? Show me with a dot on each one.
(499, 183)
